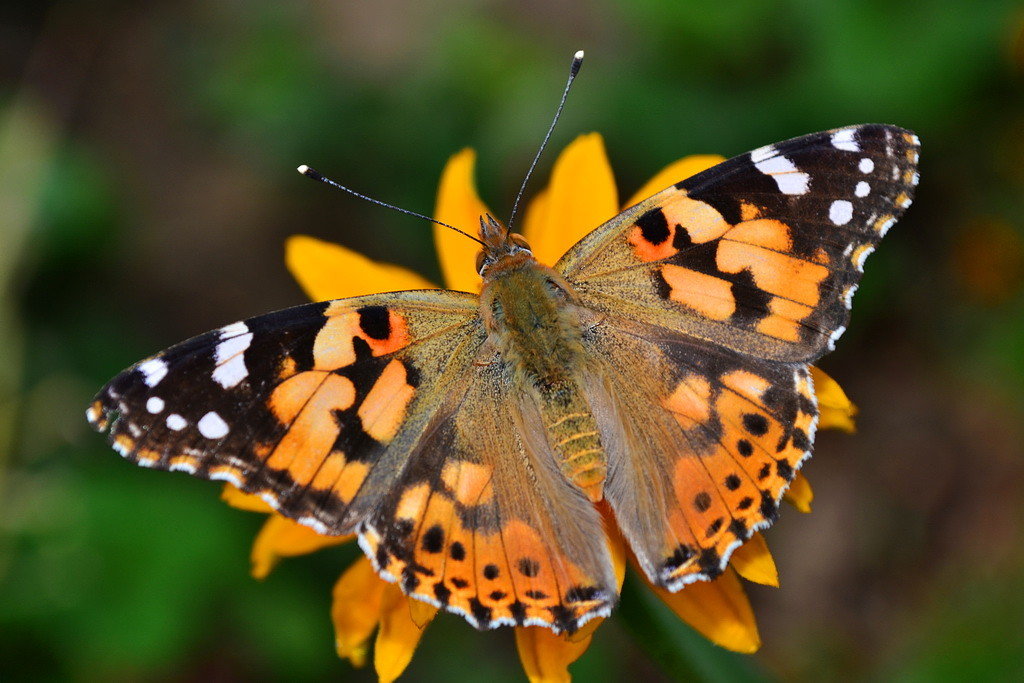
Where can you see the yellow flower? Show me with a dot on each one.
(580, 196)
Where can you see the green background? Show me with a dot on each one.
(147, 183)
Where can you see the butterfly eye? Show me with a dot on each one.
(480, 262)
(518, 240)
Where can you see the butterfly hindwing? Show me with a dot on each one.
(761, 253)
(481, 522)
(706, 441)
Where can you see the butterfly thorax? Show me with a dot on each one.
(536, 328)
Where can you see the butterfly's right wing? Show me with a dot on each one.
(300, 406)
(377, 415)
(483, 523)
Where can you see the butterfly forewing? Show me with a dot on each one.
(761, 253)
(297, 406)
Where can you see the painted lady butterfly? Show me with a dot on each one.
(661, 366)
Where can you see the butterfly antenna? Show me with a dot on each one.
(316, 175)
(577, 61)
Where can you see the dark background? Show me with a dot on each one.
(147, 155)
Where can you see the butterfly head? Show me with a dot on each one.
(501, 247)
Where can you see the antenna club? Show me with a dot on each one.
(303, 169)
(577, 62)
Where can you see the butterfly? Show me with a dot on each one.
(660, 370)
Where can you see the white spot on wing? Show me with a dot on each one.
(840, 212)
(153, 370)
(182, 467)
(915, 179)
(863, 189)
(155, 404)
(915, 140)
(230, 359)
(844, 140)
(785, 174)
(885, 226)
(866, 165)
(212, 426)
(762, 153)
(907, 201)
(233, 330)
(176, 422)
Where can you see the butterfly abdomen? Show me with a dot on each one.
(573, 434)
(534, 325)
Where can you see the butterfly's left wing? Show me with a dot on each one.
(702, 443)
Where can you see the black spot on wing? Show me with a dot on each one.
(654, 226)
(375, 321)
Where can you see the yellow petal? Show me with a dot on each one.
(673, 173)
(545, 656)
(281, 537)
(421, 612)
(836, 411)
(234, 497)
(355, 610)
(331, 271)
(754, 562)
(719, 610)
(581, 196)
(536, 215)
(458, 204)
(397, 638)
(800, 494)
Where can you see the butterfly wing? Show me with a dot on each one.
(712, 296)
(761, 253)
(308, 407)
(483, 523)
(698, 468)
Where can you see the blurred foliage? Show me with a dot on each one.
(146, 185)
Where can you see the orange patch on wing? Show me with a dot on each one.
(313, 429)
(647, 251)
(746, 384)
(691, 400)
(749, 212)
(709, 295)
(330, 469)
(350, 480)
(774, 272)
(702, 221)
(767, 233)
(384, 408)
(413, 502)
(333, 348)
(784, 319)
(469, 482)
